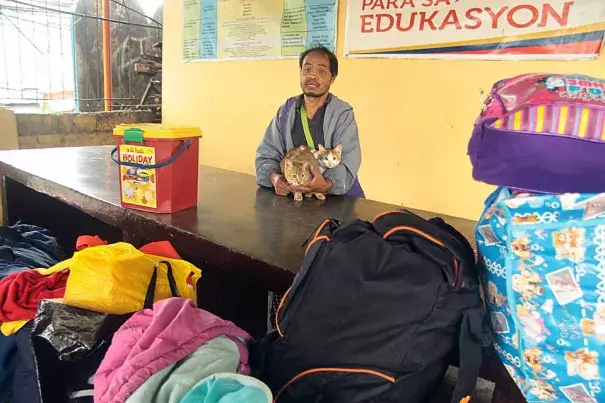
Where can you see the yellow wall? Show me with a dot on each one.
(415, 116)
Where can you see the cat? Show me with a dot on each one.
(328, 159)
(297, 166)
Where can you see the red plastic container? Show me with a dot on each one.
(158, 166)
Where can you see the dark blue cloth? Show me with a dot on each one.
(25, 247)
(22, 247)
(25, 379)
(8, 363)
(18, 379)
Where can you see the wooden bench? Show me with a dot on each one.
(246, 240)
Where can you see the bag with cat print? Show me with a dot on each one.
(376, 313)
(543, 261)
(536, 127)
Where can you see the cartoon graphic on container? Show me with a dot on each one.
(489, 235)
(138, 175)
(596, 325)
(521, 248)
(533, 323)
(496, 212)
(138, 183)
(569, 244)
(519, 219)
(577, 394)
(128, 191)
(583, 363)
(533, 358)
(594, 207)
(553, 83)
(564, 286)
(499, 323)
(542, 390)
(528, 284)
(493, 296)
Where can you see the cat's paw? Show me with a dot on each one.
(298, 196)
(308, 195)
(320, 196)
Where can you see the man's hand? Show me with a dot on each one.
(281, 185)
(318, 185)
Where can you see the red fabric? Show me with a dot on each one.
(87, 241)
(161, 249)
(21, 292)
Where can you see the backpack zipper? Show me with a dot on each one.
(281, 303)
(430, 238)
(316, 231)
(317, 239)
(344, 370)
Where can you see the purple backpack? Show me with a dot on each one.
(542, 133)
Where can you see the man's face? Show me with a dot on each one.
(315, 76)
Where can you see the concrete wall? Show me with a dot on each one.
(72, 129)
(8, 130)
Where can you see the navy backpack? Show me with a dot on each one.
(377, 313)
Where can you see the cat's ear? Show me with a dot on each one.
(321, 148)
(338, 149)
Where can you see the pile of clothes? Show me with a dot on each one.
(22, 249)
(113, 324)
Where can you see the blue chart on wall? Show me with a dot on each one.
(256, 29)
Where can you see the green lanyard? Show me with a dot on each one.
(305, 124)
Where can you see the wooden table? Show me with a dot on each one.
(245, 239)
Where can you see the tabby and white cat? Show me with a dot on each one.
(299, 162)
(326, 158)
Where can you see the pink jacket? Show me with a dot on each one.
(153, 339)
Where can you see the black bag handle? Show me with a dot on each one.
(150, 296)
(170, 160)
(470, 354)
(455, 243)
(462, 246)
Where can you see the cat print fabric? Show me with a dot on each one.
(543, 269)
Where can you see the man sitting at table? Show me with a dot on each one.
(330, 122)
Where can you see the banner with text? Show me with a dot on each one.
(256, 29)
(475, 29)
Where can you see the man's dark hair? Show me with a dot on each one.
(321, 49)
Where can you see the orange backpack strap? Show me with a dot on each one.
(88, 241)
